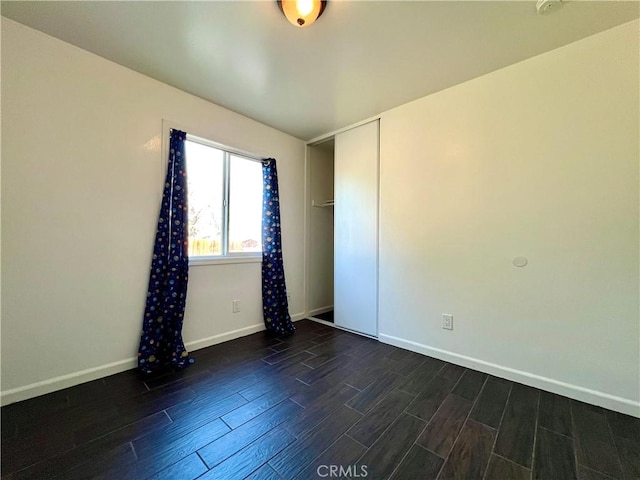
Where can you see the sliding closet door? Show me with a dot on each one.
(356, 229)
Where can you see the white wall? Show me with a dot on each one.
(81, 183)
(320, 221)
(539, 159)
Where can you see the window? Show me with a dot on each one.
(225, 202)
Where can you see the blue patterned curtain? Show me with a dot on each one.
(161, 344)
(274, 290)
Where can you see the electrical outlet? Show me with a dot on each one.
(236, 306)
(447, 321)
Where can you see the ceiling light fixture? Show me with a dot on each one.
(302, 13)
(545, 7)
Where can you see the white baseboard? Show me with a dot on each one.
(65, 381)
(594, 397)
(223, 337)
(76, 378)
(298, 316)
(318, 311)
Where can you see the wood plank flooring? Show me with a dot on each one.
(323, 403)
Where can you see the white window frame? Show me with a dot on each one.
(226, 257)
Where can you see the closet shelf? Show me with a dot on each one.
(328, 203)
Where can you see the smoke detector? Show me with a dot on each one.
(545, 7)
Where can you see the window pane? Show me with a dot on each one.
(245, 205)
(205, 183)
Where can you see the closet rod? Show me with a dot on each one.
(328, 203)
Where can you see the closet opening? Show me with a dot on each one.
(342, 229)
(320, 168)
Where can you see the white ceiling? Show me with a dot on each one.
(359, 59)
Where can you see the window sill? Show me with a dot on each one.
(197, 262)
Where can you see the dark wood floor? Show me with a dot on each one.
(326, 316)
(304, 406)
